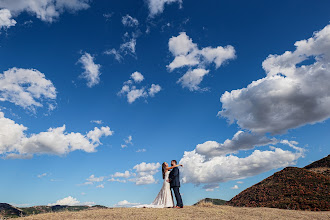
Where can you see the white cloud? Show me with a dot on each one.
(126, 174)
(129, 140)
(53, 141)
(128, 47)
(291, 95)
(107, 16)
(132, 93)
(125, 203)
(157, 6)
(141, 150)
(154, 89)
(240, 182)
(234, 187)
(100, 186)
(92, 178)
(241, 141)
(115, 53)
(129, 21)
(92, 70)
(46, 10)
(192, 78)
(97, 133)
(6, 20)
(116, 180)
(42, 175)
(97, 121)
(137, 77)
(187, 54)
(145, 173)
(201, 170)
(26, 88)
(87, 183)
(70, 201)
(123, 145)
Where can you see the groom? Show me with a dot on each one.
(174, 180)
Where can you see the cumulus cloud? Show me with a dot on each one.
(70, 201)
(26, 88)
(129, 21)
(137, 77)
(187, 54)
(234, 187)
(241, 141)
(54, 141)
(6, 20)
(125, 203)
(201, 170)
(116, 180)
(126, 174)
(46, 10)
(192, 78)
(157, 6)
(97, 133)
(145, 173)
(92, 70)
(132, 93)
(292, 94)
(93, 178)
(154, 89)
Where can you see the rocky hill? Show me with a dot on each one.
(321, 166)
(7, 210)
(213, 201)
(291, 188)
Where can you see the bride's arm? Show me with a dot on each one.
(169, 168)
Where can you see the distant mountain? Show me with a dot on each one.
(213, 201)
(291, 188)
(7, 210)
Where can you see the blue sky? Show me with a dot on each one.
(137, 83)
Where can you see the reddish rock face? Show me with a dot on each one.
(290, 188)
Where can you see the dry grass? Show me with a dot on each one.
(188, 212)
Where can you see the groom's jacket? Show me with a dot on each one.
(175, 177)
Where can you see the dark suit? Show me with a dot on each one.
(175, 185)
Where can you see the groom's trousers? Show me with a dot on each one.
(178, 198)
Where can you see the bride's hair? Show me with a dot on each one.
(163, 169)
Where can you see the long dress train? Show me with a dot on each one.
(164, 198)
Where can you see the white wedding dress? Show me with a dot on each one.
(164, 198)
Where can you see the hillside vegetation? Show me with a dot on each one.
(291, 188)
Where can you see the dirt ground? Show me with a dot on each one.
(188, 212)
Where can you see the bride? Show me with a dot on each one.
(164, 198)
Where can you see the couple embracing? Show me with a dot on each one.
(171, 176)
